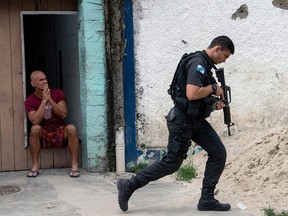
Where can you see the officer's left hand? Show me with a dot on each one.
(219, 91)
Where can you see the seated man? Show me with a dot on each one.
(46, 110)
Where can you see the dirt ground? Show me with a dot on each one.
(256, 172)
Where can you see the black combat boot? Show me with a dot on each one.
(207, 202)
(124, 193)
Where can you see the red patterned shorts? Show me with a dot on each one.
(53, 136)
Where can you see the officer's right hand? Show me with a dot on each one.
(219, 91)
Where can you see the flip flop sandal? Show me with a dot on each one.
(74, 173)
(32, 173)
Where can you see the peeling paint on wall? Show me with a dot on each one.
(150, 156)
(141, 129)
(242, 12)
(283, 4)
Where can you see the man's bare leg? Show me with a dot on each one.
(34, 147)
(73, 146)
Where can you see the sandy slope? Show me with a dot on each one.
(256, 172)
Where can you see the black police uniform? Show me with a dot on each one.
(183, 126)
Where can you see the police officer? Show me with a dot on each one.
(186, 121)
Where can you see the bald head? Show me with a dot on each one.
(35, 74)
(39, 80)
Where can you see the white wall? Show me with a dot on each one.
(257, 72)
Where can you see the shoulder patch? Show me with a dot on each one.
(201, 69)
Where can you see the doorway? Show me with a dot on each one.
(50, 44)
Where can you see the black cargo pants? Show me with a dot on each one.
(182, 129)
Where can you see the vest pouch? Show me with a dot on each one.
(208, 103)
(194, 108)
(181, 103)
(207, 109)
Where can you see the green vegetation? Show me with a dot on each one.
(272, 212)
(186, 172)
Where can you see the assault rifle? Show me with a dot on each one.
(227, 98)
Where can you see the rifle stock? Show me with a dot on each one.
(227, 98)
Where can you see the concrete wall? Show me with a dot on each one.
(257, 72)
(93, 85)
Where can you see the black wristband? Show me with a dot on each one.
(214, 87)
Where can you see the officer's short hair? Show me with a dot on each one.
(225, 42)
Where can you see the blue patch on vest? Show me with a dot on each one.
(201, 69)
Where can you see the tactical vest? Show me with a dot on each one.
(201, 108)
